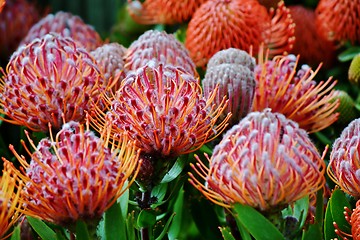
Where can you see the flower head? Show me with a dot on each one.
(10, 203)
(338, 20)
(265, 161)
(221, 24)
(2, 4)
(344, 166)
(162, 11)
(307, 37)
(76, 175)
(232, 70)
(294, 93)
(16, 19)
(46, 79)
(164, 110)
(109, 58)
(66, 25)
(155, 47)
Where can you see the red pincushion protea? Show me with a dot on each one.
(157, 47)
(76, 175)
(16, 19)
(66, 25)
(307, 37)
(10, 203)
(292, 92)
(232, 70)
(338, 20)
(162, 11)
(265, 161)
(344, 166)
(110, 59)
(221, 24)
(164, 110)
(46, 79)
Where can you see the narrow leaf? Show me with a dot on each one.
(329, 230)
(313, 232)
(43, 230)
(178, 210)
(337, 203)
(16, 234)
(82, 232)
(176, 169)
(226, 233)
(114, 223)
(166, 227)
(252, 219)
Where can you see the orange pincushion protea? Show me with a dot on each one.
(265, 161)
(163, 109)
(292, 92)
(2, 4)
(157, 47)
(76, 175)
(162, 11)
(10, 203)
(344, 166)
(307, 37)
(46, 79)
(338, 20)
(66, 25)
(221, 24)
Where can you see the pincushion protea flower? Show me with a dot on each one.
(47, 78)
(10, 202)
(338, 20)
(344, 164)
(265, 161)
(66, 25)
(16, 19)
(294, 93)
(76, 175)
(162, 11)
(232, 70)
(157, 47)
(163, 109)
(307, 37)
(2, 4)
(109, 58)
(221, 24)
(353, 218)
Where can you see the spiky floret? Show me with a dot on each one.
(294, 93)
(49, 77)
(76, 175)
(164, 110)
(338, 20)
(162, 11)
(10, 202)
(265, 161)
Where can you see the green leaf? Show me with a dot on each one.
(337, 203)
(313, 233)
(176, 169)
(178, 210)
(252, 219)
(60, 236)
(159, 192)
(146, 218)
(82, 232)
(348, 54)
(114, 224)
(43, 230)
(166, 227)
(226, 233)
(329, 230)
(301, 208)
(130, 223)
(123, 200)
(16, 234)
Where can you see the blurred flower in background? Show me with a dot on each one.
(265, 161)
(48, 78)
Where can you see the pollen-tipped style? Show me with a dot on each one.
(66, 25)
(75, 175)
(155, 47)
(284, 88)
(162, 11)
(221, 24)
(344, 166)
(265, 161)
(46, 79)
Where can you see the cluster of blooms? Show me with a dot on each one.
(148, 105)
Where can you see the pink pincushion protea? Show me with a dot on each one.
(76, 175)
(294, 93)
(46, 79)
(344, 166)
(266, 161)
(66, 25)
(156, 48)
(164, 110)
